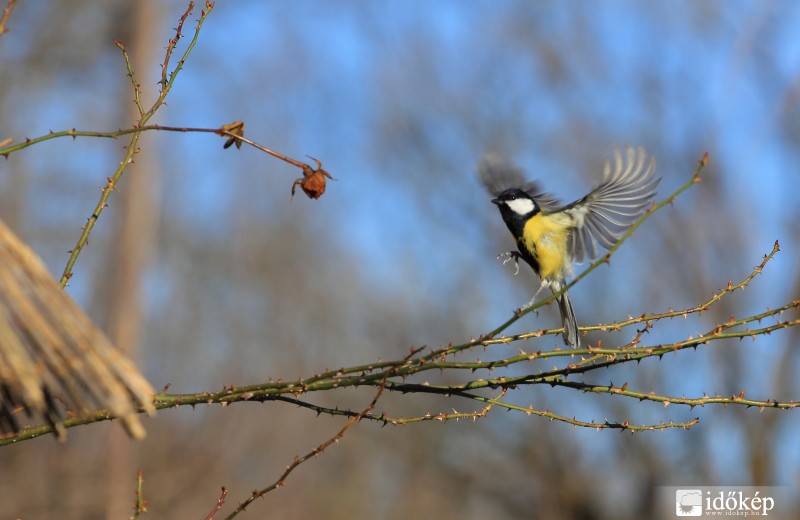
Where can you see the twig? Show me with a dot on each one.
(644, 318)
(6, 14)
(137, 88)
(605, 425)
(696, 309)
(300, 460)
(308, 171)
(383, 418)
(132, 148)
(319, 449)
(686, 401)
(165, 84)
(218, 505)
(140, 503)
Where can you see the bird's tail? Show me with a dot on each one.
(570, 322)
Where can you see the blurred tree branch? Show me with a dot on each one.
(6, 14)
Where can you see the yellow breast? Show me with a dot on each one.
(546, 237)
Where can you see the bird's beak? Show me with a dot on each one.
(496, 201)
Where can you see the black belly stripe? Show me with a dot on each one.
(527, 256)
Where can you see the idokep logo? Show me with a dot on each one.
(715, 501)
(739, 503)
(689, 502)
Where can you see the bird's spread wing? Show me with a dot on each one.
(498, 174)
(603, 216)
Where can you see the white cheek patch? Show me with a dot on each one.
(520, 206)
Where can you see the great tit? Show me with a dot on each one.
(550, 237)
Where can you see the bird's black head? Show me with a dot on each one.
(516, 207)
(516, 202)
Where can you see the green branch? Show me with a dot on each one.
(131, 149)
(376, 375)
(686, 401)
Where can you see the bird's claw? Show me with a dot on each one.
(509, 256)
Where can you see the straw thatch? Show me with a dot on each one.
(54, 363)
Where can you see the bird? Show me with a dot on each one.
(551, 237)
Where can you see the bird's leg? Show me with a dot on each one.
(509, 256)
(532, 301)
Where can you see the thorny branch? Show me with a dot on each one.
(312, 182)
(140, 503)
(300, 460)
(132, 149)
(316, 451)
(394, 375)
(220, 502)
